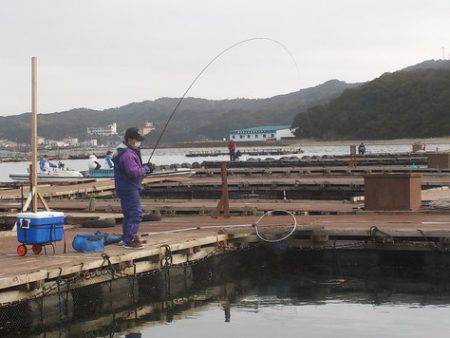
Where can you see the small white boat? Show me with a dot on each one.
(54, 175)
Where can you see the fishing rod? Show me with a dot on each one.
(206, 67)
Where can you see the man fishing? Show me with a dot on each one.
(108, 160)
(232, 146)
(128, 174)
(362, 149)
(45, 165)
(94, 163)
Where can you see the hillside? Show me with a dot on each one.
(429, 64)
(414, 102)
(197, 119)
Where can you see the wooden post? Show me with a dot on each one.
(224, 203)
(34, 195)
(352, 162)
(34, 133)
(21, 197)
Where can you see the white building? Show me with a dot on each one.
(55, 143)
(71, 141)
(109, 130)
(263, 133)
(147, 128)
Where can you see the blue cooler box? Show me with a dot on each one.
(40, 227)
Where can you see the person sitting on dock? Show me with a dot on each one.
(128, 175)
(232, 146)
(108, 160)
(361, 149)
(45, 164)
(94, 164)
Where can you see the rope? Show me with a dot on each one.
(255, 225)
(373, 231)
(279, 239)
(106, 259)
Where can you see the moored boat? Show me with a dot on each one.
(54, 175)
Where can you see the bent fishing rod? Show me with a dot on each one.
(205, 68)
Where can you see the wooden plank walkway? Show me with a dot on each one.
(242, 207)
(323, 187)
(81, 189)
(25, 277)
(106, 187)
(325, 170)
(172, 207)
(321, 161)
(428, 181)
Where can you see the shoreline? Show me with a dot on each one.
(307, 142)
(430, 140)
(65, 154)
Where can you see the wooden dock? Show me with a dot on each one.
(324, 171)
(101, 187)
(107, 212)
(293, 187)
(325, 201)
(32, 276)
(329, 161)
(246, 151)
(329, 187)
(205, 207)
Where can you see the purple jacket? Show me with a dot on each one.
(128, 168)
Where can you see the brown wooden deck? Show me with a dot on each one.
(25, 277)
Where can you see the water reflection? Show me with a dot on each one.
(261, 295)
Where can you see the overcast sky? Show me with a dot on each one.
(107, 53)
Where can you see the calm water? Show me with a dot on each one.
(267, 297)
(276, 299)
(270, 316)
(177, 155)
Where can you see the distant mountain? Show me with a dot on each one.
(429, 64)
(197, 119)
(276, 110)
(373, 109)
(414, 102)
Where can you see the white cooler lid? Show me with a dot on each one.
(40, 214)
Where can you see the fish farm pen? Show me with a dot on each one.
(266, 151)
(333, 220)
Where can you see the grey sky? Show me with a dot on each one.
(101, 54)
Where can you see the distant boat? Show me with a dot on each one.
(55, 175)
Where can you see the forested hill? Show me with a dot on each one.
(411, 103)
(429, 64)
(196, 119)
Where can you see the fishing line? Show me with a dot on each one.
(207, 66)
(255, 225)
